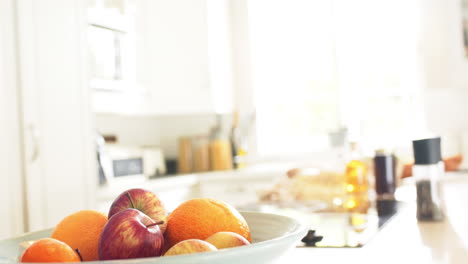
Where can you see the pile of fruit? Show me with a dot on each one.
(137, 226)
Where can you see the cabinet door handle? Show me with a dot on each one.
(35, 142)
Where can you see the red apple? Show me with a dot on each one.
(227, 240)
(143, 200)
(190, 246)
(130, 234)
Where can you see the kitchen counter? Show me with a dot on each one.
(404, 239)
(234, 186)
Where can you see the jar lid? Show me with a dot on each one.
(427, 151)
(383, 152)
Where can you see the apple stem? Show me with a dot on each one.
(157, 223)
(131, 201)
(79, 254)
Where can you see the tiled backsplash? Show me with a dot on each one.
(162, 131)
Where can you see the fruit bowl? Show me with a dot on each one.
(272, 236)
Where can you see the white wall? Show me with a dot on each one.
(445, 64)
(130, 130)
(184, 65)
(186, 125)
(445, 72)
(160, 131)
(172, 55)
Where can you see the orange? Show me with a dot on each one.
(200, 218)
(81, 231)
(49, 250)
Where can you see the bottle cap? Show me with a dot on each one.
(427, 151)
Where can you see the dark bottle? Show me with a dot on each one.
(385, 176)
(385, 182)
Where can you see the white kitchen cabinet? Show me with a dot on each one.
(172, 55)
(171, 190)
(111, 40)
(182, 60)
(54, 105)
(237, 187)
(182, 63)
(11, 187)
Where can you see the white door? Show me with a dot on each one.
(55, 101)
(11, 194)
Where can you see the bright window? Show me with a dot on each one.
(319, 65)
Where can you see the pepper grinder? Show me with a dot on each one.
(428, 169)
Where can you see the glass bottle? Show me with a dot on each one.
(234, 138)
(238, 143)
(220, 149)
(385, 174)
(356, 182)
(427, 170)
(385, 182)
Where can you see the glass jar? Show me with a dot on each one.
(201, 154)
(429, 201)
(184, 162)
(427, 171)
(220, 154)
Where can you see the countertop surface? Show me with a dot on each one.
(404, 239)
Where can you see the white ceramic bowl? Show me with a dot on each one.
(272, 236)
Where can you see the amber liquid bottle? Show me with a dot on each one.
(356, 183)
